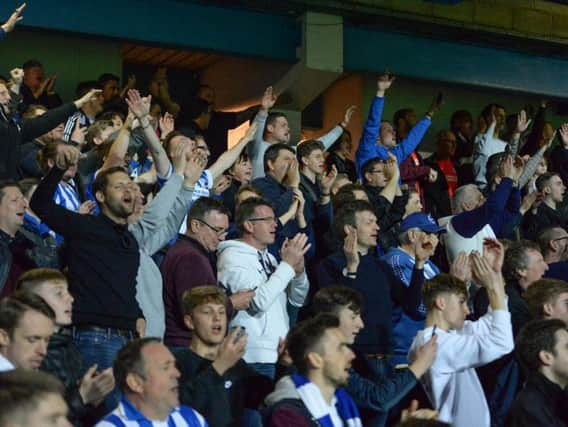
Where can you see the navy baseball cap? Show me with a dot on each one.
(422, 221)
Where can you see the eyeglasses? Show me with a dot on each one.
(221, 232)
(263, 219)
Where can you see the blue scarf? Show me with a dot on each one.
(313, 399)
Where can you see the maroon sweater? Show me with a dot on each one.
(186, 265)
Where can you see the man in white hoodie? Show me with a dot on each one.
(246, 264)
(452, 383)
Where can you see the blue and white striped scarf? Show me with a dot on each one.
(312, 398)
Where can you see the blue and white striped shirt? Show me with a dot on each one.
(126, 415)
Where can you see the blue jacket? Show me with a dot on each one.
(379, 287)
(368, 147)
(405, 327)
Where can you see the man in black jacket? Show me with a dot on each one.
(14, 134)
(215, 380)
(542, 349)
(85, 388)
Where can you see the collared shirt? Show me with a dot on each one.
(127, 415)
(5, 364)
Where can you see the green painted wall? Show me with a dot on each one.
(71, 56)
(418, 94)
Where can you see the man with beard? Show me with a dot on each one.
(102, 257)
(146, 373)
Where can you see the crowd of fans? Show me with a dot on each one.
(151, 276)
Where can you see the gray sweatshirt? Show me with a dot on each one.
(159, 224)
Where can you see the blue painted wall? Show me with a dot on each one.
(411, 56)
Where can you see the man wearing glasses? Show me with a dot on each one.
(190, 262)
(246, 264)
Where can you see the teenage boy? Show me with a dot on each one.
(452, 383)
(85, 388)
(215, 380)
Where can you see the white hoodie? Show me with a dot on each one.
(239, 268)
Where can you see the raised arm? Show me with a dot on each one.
(119, 147)
(329, 138)
(140, 107)
(229, 157)
(368, 147)
(14, 18)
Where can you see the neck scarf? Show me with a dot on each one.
(312, 398)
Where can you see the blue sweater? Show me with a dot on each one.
(368, 147)
(379, 287)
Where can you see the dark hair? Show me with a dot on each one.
(400, 115)
(337, 144)
(459, 116)
(346, 194)
(13, 308)
(271, 119)
(545, 237)
(31, 279)
(197, 107)
(246, 211)
(541, 292)
(347, 215)
(441, 284)
(492, 168)
(306, 338)
(305, 148)
(101, 181)
(543, 180)
(107, 77)
(84, 87)
(130, 360)
(334, 298)
(272, 153)
(31, 63)
(534, 337)
(21, 392)
(516, 258)
(168, 140)
(5, 184)
(202, 206)
(486, 112)
(369, 166)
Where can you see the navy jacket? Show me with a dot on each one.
(378, 285)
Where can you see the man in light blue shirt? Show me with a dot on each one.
(145, 371)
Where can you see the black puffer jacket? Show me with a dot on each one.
(65, 362)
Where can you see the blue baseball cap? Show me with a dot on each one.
(422, 221)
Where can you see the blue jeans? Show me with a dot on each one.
(100, 348)
(266, 369)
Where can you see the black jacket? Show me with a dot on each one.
(221, 399)
(64, 361)
(540, 404)
(12, 135)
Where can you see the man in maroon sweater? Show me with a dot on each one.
(190, 262)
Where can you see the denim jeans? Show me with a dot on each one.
(100, 348)
(266, 369)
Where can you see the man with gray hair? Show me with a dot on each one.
(475, 217)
